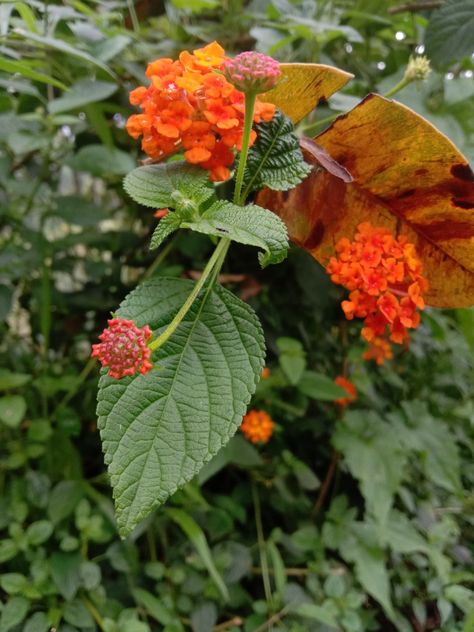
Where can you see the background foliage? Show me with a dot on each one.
(350, 521)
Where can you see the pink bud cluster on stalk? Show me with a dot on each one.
(123, 348)
(252, 72)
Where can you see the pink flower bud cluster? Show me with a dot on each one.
(124, 348)
(252, 72)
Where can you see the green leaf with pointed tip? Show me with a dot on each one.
(159, 429)
(82, 93)
(321, 387)
(197, 537)
(63, 47)
(275, 160)
(177, 185)
(12, 66)
(251, 225)
(166, 226)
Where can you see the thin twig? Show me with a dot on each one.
(323, 492)
(290, 572)
(228, 624)
(273, 619)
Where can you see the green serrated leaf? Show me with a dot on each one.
(166, 226)
(375, 456)
(370, 566)
(276, 159)
(159, 429)
(251, 225)
(448, 36)
(176, 185)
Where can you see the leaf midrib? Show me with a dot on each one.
(167, 398)
(275, 137)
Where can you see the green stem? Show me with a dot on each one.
(250, 99)
(150, 536)
(400, 85)
(133, 15)
(217, 256)
(261, 546)
(94, 612)
(91, 363)
(45, 309)
(311, 128)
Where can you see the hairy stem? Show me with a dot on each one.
(400, 85)
(217, 256)
(250, 98)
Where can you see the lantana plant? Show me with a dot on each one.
(181, 359)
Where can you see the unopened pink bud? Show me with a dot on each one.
(252, 72)
(123, 348)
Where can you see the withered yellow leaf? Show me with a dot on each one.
(303, 86)
(407, 176)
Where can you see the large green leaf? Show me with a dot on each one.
(13, 66)
(160, 428)
(432, 439)
(449, 33)
(13, 613)
(375, 456)
(361, 547)
(251, 225)
(321, 387)
(275, 160)
(63, 47)
(102, 161)
(81, 93)
(177, 185)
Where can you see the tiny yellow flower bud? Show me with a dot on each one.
(418, 68)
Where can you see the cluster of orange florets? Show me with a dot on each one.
(385, 278)
(189, 106)
(257, 426)
(350, 389)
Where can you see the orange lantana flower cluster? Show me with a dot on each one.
(385, 278)
(257, 426)
(189, 106)
(350, 389)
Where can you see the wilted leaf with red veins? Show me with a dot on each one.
(303, 86)
(407, 176)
